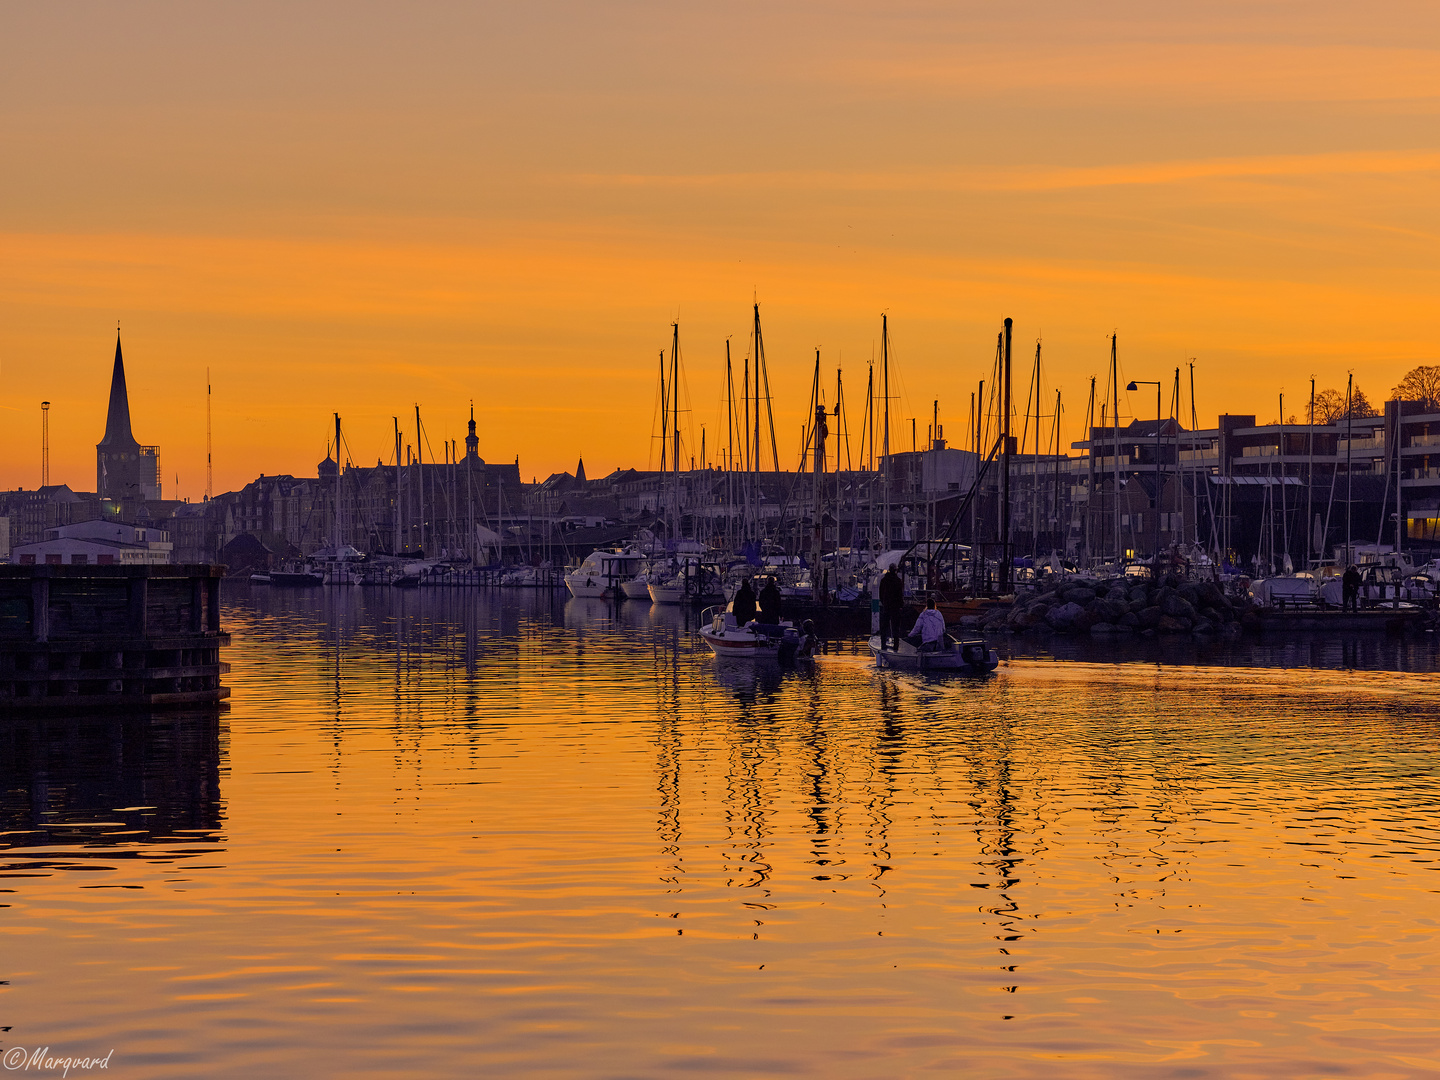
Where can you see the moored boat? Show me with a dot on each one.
(601, 574)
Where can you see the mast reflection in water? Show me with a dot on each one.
(467, 833)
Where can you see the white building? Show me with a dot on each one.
(96, 543)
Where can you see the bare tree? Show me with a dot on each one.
(1420, 384)
(1330, 406)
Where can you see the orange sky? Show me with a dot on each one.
(356, 208)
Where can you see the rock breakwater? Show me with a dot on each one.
(1123, 606)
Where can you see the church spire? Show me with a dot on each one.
(117, 420)
(472, 441)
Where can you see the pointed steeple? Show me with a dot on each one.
(580, 472)
(117, 421)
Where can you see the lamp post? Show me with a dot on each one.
(1135, 385)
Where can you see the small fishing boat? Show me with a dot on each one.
(754, 641)
(259, 579)
(968, 655)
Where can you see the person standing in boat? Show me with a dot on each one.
(892, 604)
(929, 629)
(743, 605)
(770, 603)
(1350, 589)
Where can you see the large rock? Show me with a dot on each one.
(1138, 595)
(1103, 628)
(1129, 619)
(1150, 617)
(1202, 626)
(1114, 609)
(1176, 606)
(1078, 594)
(1063, 616)
(1116, 592)
(1170, 625)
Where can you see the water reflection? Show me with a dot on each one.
(104, 784)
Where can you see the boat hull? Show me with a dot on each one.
(962, 657)
(635, 590)
(586, 588)
(666, 594)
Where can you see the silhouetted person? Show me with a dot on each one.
(808, 640)
(1350, 586)
(743, 606)
(770, 603)
(892, 605)
(929, 629)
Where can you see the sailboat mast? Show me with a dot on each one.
(420, 473)
(885, 441)
(1115, 421)
(1349, 443)
(339, 472)
(1310, 484)
(395, 548)
(1090, 456)
(1005, 562)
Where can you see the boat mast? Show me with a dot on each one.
(1090, 456)
(395, 543)
(885, 441)
(1310, 484)
(1115, 420)
(1057, 467)
(1005, 562)
(339, 472)
(420, 470)
(1349, 444)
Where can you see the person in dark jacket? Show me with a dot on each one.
(770, 603)
(892, 606)
(743, 605)
(1350, 589)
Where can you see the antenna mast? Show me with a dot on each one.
(209, 461)
(44, 444)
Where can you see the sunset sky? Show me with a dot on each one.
(360, 207)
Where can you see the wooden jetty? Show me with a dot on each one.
(99, 638)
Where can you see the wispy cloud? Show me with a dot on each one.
(1037, 178)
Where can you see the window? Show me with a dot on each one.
(27, 560)
(105, 560)
(52, 560)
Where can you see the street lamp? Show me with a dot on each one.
(1135, 385)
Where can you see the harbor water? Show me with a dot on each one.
(472, 833)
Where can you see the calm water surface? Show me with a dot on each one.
(466, 835)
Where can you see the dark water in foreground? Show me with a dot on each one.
(462, 835)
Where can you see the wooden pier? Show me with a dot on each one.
(100, 638)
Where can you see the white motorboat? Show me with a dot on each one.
(753, 641)
(667, 592)
(637, 588)
(968, 655)
(602, 573)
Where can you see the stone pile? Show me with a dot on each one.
(1122, 606)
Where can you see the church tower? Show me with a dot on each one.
(472, 441)
(123, 468)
